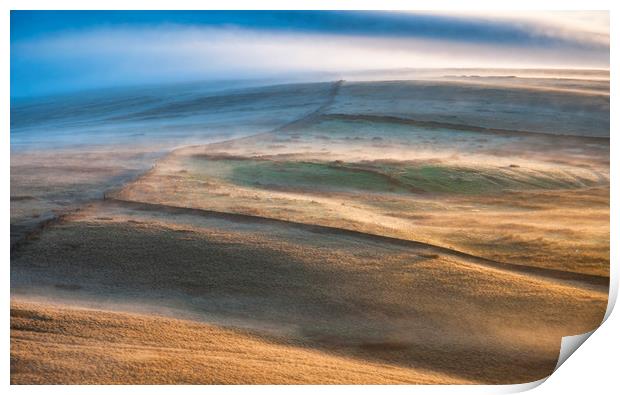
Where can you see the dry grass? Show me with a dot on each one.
(565, 228)
(158, 289)
(58, 345)
(412, 307)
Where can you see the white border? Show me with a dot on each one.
(593, 368)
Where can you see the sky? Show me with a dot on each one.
(63, 51)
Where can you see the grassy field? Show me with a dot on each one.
(60, 345)
(383, 176)
(444, 231)
(412, 306)
(539, 201)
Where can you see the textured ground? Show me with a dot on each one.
(443, 231)
(539, 200)
(379, 299)
(66, 346)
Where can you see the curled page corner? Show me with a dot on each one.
(613, 294)
(569, 345)
(518, 388)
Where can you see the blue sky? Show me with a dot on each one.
(58, 51)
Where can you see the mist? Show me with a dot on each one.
(123, 54)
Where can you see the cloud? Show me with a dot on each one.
(126, 54)
(586, 28)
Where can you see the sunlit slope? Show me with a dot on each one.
(60, 345)
(372, 298)
(530, 199)
(348, 232)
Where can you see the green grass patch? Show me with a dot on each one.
(391, 177)
(311, 175)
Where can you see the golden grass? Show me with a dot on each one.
(564, 229)
(412, 307)
(59, 345)
(124, 292)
